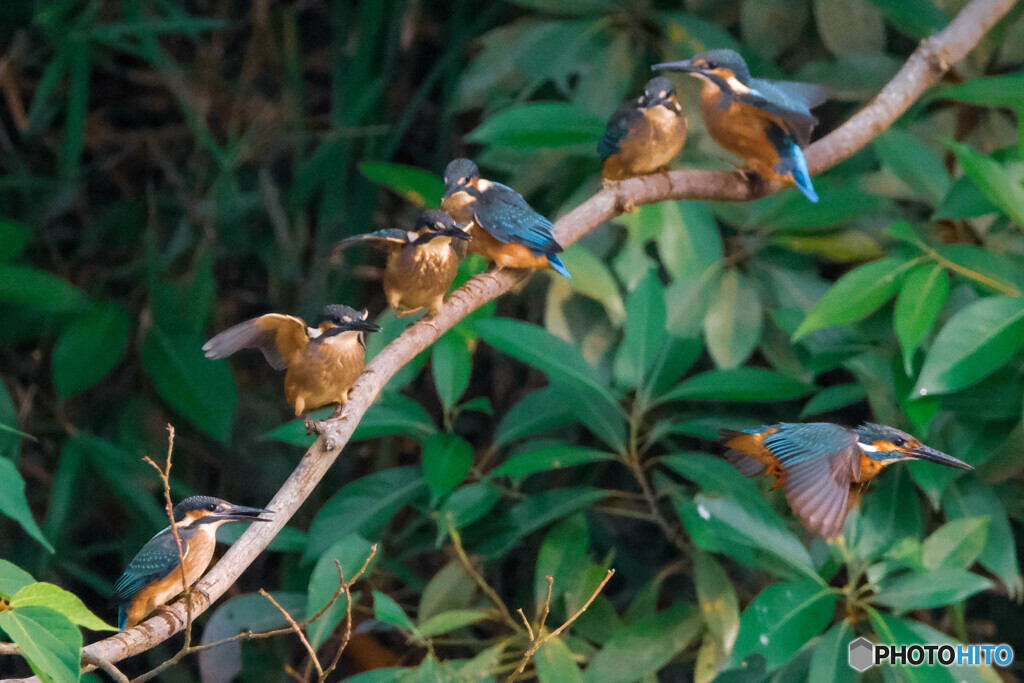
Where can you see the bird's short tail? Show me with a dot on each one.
(792, 162)
(557, 265)
(122, 618)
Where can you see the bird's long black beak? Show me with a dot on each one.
(686, 66)
(453, 231)
(361, 325)
(241, 513)
(928, 453)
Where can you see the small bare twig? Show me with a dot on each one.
(347, 589)
(106, 667)
(503, 612)
(298, 631)
(535, 643)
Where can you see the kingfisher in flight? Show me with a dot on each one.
(322, 362)
(823, 467)
(503, 227)
(421, 264)
(645, 134)
(153, 576)
(764, 122)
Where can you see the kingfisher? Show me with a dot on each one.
(322, 362)
(822, 466)
(153, 577)
(645, 134)
(421, 263)
(503, 228)
(764, 122)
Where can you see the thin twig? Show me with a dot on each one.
(536, 643)
(298, 632)
(106, 667)
(506, 616)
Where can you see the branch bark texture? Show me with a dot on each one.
(933, 57)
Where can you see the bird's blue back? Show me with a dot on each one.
(503, 213)
(791, 101)
(797, 442)
(158, 558)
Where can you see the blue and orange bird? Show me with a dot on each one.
(645, 134)
(503, 227)
(323, 361)
(763, 122)
(421, 263)
(823, 467)
(153, 577)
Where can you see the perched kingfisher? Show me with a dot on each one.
(153, 578)
(645, 134)
(323, 362)
(504, 228)
(764, 122)
(823, 466)
(421, 263)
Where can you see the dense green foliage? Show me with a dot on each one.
(168, 169)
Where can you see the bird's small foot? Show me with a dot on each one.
(410, 311)
(312, 427)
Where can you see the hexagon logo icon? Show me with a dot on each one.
(862, 654)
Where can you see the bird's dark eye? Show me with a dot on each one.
(211, 506)
(898, 441)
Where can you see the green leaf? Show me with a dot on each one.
(537, 511)
(856, 295)
(556, 663)
(466, 505)
(252, 612)
(935, 588)
(738, 384)
(539, 411)
(772, 26)
(445, 592)
(604, 418)
(781, 619)
(14, 504)
(717, 600)
(964, 200)
(50, 641)
(979, 339)
(833, 398)
(919, 18)
(89, 347)
(390, 612)
(451, 363)
(364, 506)
(995, 182)
(732, 326)
(13, 239)
(575, 8)
(539, 125)
(562, 556)
(451, 621)
(549, 458)
(920, 300)
(642, 648)
(420, 187)
(201, 390)
(395, 414)
(968, 497)
(593, 278)
(645, 331)
(914, 163)
(446, 461)
(689, 242)
(850, 27)
(1006, 90)
(39, 290)
(351, 552)
(56, 598)
(12, 579)
(956, 544)
(831, 658)
(894, 630)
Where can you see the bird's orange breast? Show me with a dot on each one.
(655, 141)
(505, 254)
(753, 445)
(742, 129)
(458, 206)
(869, 467)
(324, 373)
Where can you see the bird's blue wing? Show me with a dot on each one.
(503, 213)
(789, 100)
(791, 161)
(618, 128)
(157, 559)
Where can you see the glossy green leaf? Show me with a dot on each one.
(364, 506)
(537, 511)
(645, 330)
(856, 295)
(932, 589)
(563, 556)
(446, 461)
(101, 336)
(716, 597)
(39, 290)
(593, 278)
(50, 641)
(964, 200)
(831, 658)
(919, 18)
(738, 384)
(913, 162)
(968, 497)
(451, 621)
(850, 27)
(390, 612)
(12, 579)
(1006, 90)
(201, 390)
(642, 648)
(833, 398)
(451, 363)
(351, 552)
(538, 411)
(732, 326)
(539, 125)
(467, 504)
(921, 298)
(60, 600)
(956, 544)
(549, 458)
(14, 504)
(556, 663)
(987, 270)
(395, 414)
(998, 185)
(690, 242)
(979, 339)
(417, 185)
(249, 611)
(781, 619)
(905, 631)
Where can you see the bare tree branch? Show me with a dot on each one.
(924, 68)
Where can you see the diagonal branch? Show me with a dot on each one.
(923, 69)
